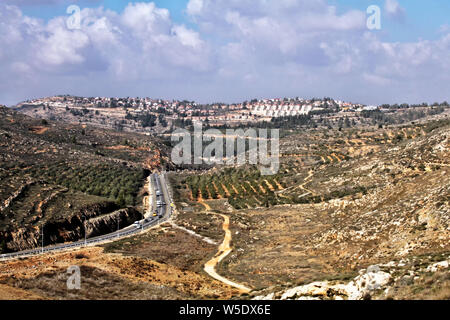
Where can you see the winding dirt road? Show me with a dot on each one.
(224, 250)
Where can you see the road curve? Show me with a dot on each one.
(224, 250)
(164, 214)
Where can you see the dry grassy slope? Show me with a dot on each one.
(11, 293)
(162, 263)
(403, 217)
(107, 118)
(407, 214)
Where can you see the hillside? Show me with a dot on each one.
(54, 175)
(148, 115)
(353, 213)
(342, 201)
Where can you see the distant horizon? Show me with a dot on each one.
(226, 50)
(223, 102)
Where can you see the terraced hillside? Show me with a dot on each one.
(352, 213)
(54, 175)
(342, 201)
(311, 161)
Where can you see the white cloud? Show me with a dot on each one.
(145, 19)
(194, 7)
(393, 9)
(242, 49)
(60, 45)
(187, 37)
(445, 28)
(140, 44)
(311, 38)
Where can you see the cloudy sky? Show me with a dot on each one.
(226, 50)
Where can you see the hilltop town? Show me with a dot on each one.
(159, 116)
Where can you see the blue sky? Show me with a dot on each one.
(423, 18)
(227, 50)
(48, 11)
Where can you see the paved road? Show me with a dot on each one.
(163, 212)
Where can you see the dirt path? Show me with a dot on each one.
(305, 182)
(308, 180)
(224, 250)
(193, 233)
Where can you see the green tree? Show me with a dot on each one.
(3, 247)
(121, 200)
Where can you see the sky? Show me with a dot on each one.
(226, 50)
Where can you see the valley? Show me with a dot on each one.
(348, 204)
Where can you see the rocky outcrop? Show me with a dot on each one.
(101, 218)
(19, 239)
(15, 195)
(359, 288)
(110, 222)
(376, 282)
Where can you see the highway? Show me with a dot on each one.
(160, 204)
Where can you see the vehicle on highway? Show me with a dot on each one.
(158, 217)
